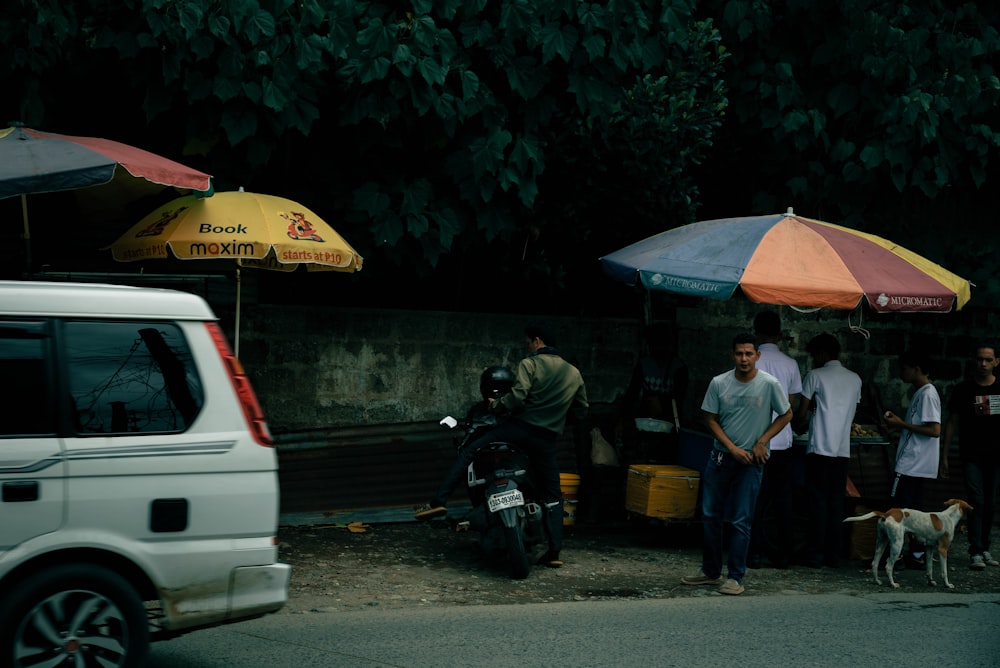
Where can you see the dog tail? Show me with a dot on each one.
(866, 516)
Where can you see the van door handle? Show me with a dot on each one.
(21, 490)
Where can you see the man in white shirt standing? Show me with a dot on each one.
(776, 486)
(918, 454)
(835, 392)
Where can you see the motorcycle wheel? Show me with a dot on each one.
(516, 553)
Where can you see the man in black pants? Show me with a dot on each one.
(974, 407)
(545, 388)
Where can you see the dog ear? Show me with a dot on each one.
(957, 502)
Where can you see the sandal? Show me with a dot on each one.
(428, 512)
(550, 560)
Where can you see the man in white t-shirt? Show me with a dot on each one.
(834, 392)
(776, 485)
(918, 454)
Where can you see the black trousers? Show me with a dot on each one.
(776, 497)
(826, 484)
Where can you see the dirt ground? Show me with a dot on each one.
(426, 564)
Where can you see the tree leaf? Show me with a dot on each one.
(842, 98)
(470, 84)
(190, 16)
(449, 225)
(557, 40)
(387, 228)
(374, 69)
(403, 59)
(274, 97)
(369, 198)
(416, 197)
(218, 25)
(237, 124)
(417, 225)
(842, 150)
(872, 156)
(595, 46)
(431, 71)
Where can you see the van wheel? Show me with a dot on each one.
(73, 615)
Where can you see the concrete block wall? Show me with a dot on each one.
(870, 342)
(340, 367)
(321, 367)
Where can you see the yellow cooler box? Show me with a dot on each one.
(662, 491)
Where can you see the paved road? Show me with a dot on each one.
(942, 629)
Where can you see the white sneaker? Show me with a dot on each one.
(700, 578)
(977, 563)
(989, 560)
(732, 587)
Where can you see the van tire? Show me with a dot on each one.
(113, 610)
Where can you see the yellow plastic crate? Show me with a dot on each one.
(662, 491)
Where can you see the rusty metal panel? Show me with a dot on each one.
(369, 473)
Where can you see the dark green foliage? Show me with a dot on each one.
(875, 114)
(467, 146)
(521, 132)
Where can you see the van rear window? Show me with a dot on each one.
(128, 377)
(27, 407)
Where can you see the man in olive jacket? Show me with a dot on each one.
(545, 388)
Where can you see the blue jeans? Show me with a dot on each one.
(729, 494)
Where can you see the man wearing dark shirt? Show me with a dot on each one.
(974, 407)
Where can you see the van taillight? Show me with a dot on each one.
(248, 399)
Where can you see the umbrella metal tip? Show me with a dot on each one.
(789, 212)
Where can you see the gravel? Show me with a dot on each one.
(392, 566)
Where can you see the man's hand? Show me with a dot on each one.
(761, 453)
(741, 455)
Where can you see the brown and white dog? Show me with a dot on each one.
(928, 528)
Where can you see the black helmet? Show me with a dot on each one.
(495, 381)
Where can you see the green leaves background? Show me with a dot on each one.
(510, 143)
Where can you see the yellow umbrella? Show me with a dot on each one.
(255, 230)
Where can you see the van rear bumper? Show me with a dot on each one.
(253, 591)
(258, 590)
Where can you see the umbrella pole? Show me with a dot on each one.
(237, 337)
(27, 233)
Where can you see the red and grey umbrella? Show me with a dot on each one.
(785, 259)
(33, 162)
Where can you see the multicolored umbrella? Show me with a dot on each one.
(33, 162)
(261, 231)
(785, 259)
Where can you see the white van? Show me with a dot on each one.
(138, 480)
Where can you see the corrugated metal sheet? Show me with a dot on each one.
(378, 473)
(870, 469)
(872, 472)
(371, 474)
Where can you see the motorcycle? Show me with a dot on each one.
(505, 510)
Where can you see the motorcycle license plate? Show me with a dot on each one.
(506, 500)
